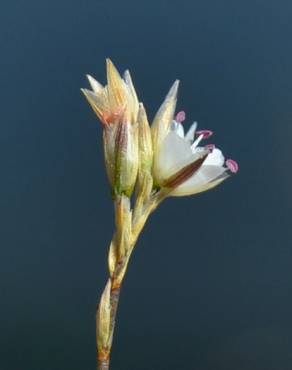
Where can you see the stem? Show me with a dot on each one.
(104, 356)
(122, 247)
(103, 365)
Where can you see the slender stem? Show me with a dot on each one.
(123, 248)
(103, 364)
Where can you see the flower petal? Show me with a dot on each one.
(174, 154)
(184, 173)
(215, 158)
(201, 180)
(163, 118)
(178, 129)
(203, 188)
(95, 85)
(191, 132)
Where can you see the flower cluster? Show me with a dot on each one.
(164, 155)
(116, 105)
(157, 161)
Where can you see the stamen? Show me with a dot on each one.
(210, 147)
(180, 117)
(232, 165)
(196, 142)
(206, 133)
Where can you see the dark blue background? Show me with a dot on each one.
(209, 286)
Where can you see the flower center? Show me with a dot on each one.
(210, 147)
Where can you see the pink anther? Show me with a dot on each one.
(206, 133)
(232, 165)
(180, 117)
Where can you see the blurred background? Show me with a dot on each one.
(209, 285)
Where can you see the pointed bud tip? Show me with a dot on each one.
(108, 61)
(173, 90)
(111, 68)
(176, 84)
(128, 78)
(87, 92)
(141, 112)
(90, 79)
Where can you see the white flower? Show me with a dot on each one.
(186, 167)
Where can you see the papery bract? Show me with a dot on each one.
(116, 105)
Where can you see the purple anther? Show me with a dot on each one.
(210, 147)
(232, 165)
(206, 133)
(180, 117)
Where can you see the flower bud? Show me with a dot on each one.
(145, 179)
(121, 156)
(145, 143)
(116, 105)
(103, 317)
